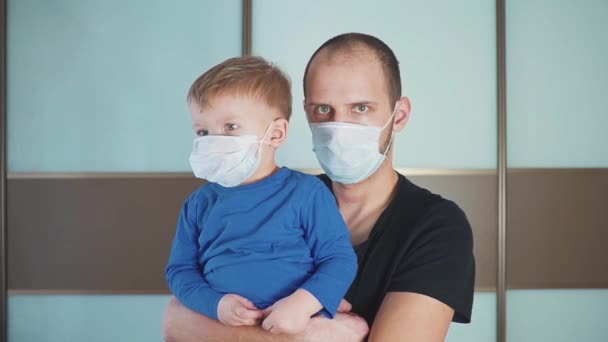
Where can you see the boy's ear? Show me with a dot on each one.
(278, 132)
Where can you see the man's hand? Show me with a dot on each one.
(287, 316)
(235, 310)
(182, 324)
(345, 327)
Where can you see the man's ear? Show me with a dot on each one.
(278, 132)
(305, 109)
(402, 114)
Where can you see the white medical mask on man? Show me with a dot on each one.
(227, 160)
(347, 152)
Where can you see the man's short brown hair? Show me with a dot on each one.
(249, 76)
(344, 43)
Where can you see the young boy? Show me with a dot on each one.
(258, 243)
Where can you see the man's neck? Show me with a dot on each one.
(362, 203)
(372, 191)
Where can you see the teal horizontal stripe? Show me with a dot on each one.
(483, 324)
(557, 315)
(138, 318)
(77, 318)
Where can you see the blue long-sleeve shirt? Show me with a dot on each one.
(262, 241)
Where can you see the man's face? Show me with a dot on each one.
(349, 89)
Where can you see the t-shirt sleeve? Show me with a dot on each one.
(440, 263)
(329, 240)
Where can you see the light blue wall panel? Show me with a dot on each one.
(77, 318)
(483, 325)
(557, 315)
(447, 54)
(557, 82)
(101, 85)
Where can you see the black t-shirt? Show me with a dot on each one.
(421, 243)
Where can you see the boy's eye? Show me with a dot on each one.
(202, 132)
(230, 127)
(323, 109)
(361, 108)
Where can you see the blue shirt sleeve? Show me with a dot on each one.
(183, 272)
(329, 240)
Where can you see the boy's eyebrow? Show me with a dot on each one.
(232, 118)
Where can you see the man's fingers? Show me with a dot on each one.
(266, 325)
(344, 306)
(268, 310)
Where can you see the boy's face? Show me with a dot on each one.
(231, 115)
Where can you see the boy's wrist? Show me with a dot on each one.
(307, 302)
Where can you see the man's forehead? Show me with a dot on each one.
(346, 83)
(346, 56)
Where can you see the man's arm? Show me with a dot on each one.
(184, 325)
(433, 284)
(407, 316)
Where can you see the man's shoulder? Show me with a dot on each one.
(426, 212)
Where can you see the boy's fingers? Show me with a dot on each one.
(246, 303)
(243, 312)
(249, 321)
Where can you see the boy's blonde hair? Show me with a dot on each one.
(249, 76)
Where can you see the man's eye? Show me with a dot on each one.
(230, 127)
(202, 132)
(323, 109)
(361, 108)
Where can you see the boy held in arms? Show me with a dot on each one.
(258, 242)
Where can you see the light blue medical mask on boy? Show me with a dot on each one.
(347, 152)
(227, 160)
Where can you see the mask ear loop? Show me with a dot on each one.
(392, 134)
(263, 140)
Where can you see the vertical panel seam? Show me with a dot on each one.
(502, 165)
(247, 27)
(3, 168)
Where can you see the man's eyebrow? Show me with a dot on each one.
(364, 102)
(310, 103)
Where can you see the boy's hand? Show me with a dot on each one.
(291, 314)
(235, 310)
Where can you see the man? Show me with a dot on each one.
(414, 248)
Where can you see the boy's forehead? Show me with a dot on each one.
(231, 106)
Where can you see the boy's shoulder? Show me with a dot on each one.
(201, 194)
(305, 179)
